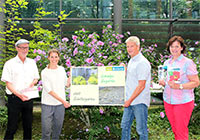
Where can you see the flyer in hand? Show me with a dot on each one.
(174, 74)
(31, 92)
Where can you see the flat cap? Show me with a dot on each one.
(21, 41)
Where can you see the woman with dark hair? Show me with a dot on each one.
(182, 78)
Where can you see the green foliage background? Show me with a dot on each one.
(107, 54)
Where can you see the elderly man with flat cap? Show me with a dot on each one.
(19, 73)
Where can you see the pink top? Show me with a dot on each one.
(185, 67)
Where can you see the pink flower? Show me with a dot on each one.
(69, 95)
(38, 57)
(91, 36)
(35, 59)
(65, 39)
(121, 36)
(110, 64)
(39, 51)
(119, 41)
(89, 45)
(105, 57)
(107, 129)
(197, 42)
(100, 64)
(34, 51)
(101, 111)
(43, 52)
(162, 114)
(92, 50)
(86, 130)
(40, 82)
(89, 60)
(81, 43)
(142, 40)
(109, 26)
(68, 63)
(114, 44)
(93, 41)
(99, 54)
(128, 33)
(39, 88)
(83, 29)
(100, 43)
(75, 51)
(153, 100)
(74, 37)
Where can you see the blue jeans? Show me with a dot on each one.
(140, 113)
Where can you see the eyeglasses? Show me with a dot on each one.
(23, 48)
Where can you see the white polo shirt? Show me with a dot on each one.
(138, 68)
(20, 74)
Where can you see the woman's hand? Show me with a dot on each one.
(161, 82)
(66, 104)
(173, 85)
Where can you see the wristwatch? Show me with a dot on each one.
(181, 86)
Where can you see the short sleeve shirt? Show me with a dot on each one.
(187, 67)
(53, 80)
(138, 69)
(20, 74)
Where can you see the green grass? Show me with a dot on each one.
(74, 128)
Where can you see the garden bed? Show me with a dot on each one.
(105, 125)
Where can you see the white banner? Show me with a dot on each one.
(97, 86)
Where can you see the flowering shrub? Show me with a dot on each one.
(91, 49)
(79, 80)
(93, 79)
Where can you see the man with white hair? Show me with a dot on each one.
(138, 76)
(19, 73)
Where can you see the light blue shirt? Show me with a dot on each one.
(138, 68)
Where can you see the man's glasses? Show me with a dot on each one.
(23, 48)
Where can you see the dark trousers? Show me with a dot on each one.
(17, 107)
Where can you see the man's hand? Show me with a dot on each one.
(23, 97)
(127, 103)
(123, 65)
(15, 92)
(33, 83)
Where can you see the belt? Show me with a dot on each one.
(12, 96)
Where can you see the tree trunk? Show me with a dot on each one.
(130, 9)
(189, 8)
(159, 6)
